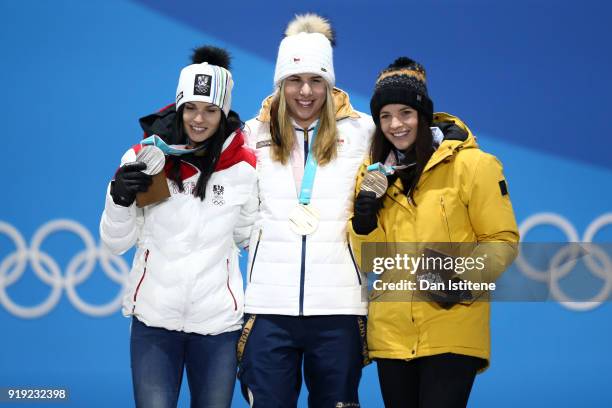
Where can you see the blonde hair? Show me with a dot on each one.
(283, 134)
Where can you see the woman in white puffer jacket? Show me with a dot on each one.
(185, 290)
(305, 295)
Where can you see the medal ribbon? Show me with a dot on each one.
(173, 150)
(310, 170)
(387, 169)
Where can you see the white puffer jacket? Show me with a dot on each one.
(289, 274)
(185, 275)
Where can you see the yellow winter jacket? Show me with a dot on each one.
(461, 197)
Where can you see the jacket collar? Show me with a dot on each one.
(234, 151)
(344, 109)
(449, 148)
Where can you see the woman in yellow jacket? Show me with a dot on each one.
(429, 192)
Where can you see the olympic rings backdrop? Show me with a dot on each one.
(531, 78)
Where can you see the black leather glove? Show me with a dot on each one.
(366, 209)
(128, 181)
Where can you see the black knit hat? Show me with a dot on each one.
(403, 82)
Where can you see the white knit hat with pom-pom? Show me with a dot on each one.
(306, 49)
(207, 80)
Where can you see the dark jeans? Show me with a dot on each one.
(440, 381)
(159, 356)
(330, 348)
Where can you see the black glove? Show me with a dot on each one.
(366, 209)
(446, 298)
(128, 181)
(443, 296)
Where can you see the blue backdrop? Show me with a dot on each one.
(531, 78)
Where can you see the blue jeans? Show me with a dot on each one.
(159, 356)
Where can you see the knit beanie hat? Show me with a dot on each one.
(403, 82)
(306, 49)
(209, 81)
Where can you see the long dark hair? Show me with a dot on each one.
(423, 147)
(205, 160)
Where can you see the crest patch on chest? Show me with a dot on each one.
(218, 194)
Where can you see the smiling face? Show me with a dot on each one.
(399, 124)
(305, 95)
(200, 121)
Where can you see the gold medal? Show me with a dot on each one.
(304, 219)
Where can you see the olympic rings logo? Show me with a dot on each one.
(558, 269)
(46, 268)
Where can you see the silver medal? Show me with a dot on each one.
(153, 157)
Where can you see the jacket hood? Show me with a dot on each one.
(454, 129)
(344, 109)
(457, 136)
(160, 123)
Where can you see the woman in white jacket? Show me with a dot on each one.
(185, 290)
(304, 292)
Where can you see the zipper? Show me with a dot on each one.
(303, 263)
(144, 272)
(354, 263)
(445, 218)
(302, 275)
(228, 286)
(255, 255)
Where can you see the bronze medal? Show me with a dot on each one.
(376, 182)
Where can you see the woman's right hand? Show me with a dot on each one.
(366, 209)
(128, 181)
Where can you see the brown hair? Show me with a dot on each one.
(423, 145)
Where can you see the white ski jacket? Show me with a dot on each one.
(185, 275)
(296, 275)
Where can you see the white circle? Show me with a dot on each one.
(582, 306)
(596, 225)
(93, 310)
(543, 219)
(19, 257)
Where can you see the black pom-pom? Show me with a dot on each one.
(402, 62)
(212, 55)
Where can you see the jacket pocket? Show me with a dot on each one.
(445, 218)
(144, 273)
(255, 254)
(354, 264)
(229, 289)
